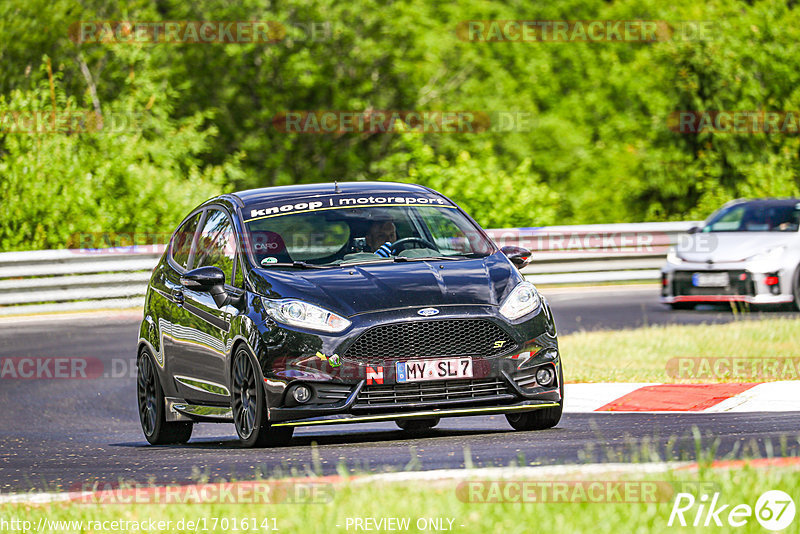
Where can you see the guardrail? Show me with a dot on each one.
(44, 281)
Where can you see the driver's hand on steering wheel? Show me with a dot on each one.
(384, 251)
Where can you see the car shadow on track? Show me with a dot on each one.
(343, 438)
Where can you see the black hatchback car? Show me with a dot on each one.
(341, 303)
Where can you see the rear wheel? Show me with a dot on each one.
(417, 425)
(539, 419)
(157, 430)
(248, 406)
(682, 305)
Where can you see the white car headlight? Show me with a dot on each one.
(672, 257)
(298, 313)
(522, 301)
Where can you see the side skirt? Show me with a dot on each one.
(180, 410)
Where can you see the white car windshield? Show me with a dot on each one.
(758, 216)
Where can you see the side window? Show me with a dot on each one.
(448, 236)
(182, 240)
(216, 245)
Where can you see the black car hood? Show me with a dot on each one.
(351, 290)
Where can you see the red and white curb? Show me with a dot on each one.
(699, 398)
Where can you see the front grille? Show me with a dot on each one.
(682, 284)
(433, 393)
(430, 339)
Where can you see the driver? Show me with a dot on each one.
(380, 236)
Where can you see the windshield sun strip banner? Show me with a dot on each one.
(276, 209)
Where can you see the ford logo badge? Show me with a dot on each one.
(427, 312)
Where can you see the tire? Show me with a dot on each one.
(796, 288)
(249, 407)
(151, 404)
(539, 419)
(417, 425)
(682, 305)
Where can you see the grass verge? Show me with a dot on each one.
(649, 354)
(453, 508)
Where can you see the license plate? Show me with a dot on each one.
(710, 280)
(419, 370)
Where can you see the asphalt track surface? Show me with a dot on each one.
(65, 434)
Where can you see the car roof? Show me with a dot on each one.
(771, 201)
(266, 194)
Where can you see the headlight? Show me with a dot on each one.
(305, 315)
(522, 300)
(766, 260)
(672, 257)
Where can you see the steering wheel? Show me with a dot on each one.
(400, 244)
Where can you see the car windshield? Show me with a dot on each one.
(316, 234)
(756, 217)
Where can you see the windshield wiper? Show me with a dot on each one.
(298, 265)
(378, 259)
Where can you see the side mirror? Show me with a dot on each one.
(693, 230)
(519, 256)
(210, 280)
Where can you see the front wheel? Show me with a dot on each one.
(156, 429)
(248, 406)
(539, 419)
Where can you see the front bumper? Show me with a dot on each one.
(441, 398)
(744, 285)
(444, 412)
(362, 384)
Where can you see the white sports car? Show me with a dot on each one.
(747, 251)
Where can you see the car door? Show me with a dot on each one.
(167, 284)
(204, 333)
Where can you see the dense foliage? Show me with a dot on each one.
(598, 147)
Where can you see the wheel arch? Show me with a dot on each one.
(238, 342)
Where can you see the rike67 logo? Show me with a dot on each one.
(774, 510)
